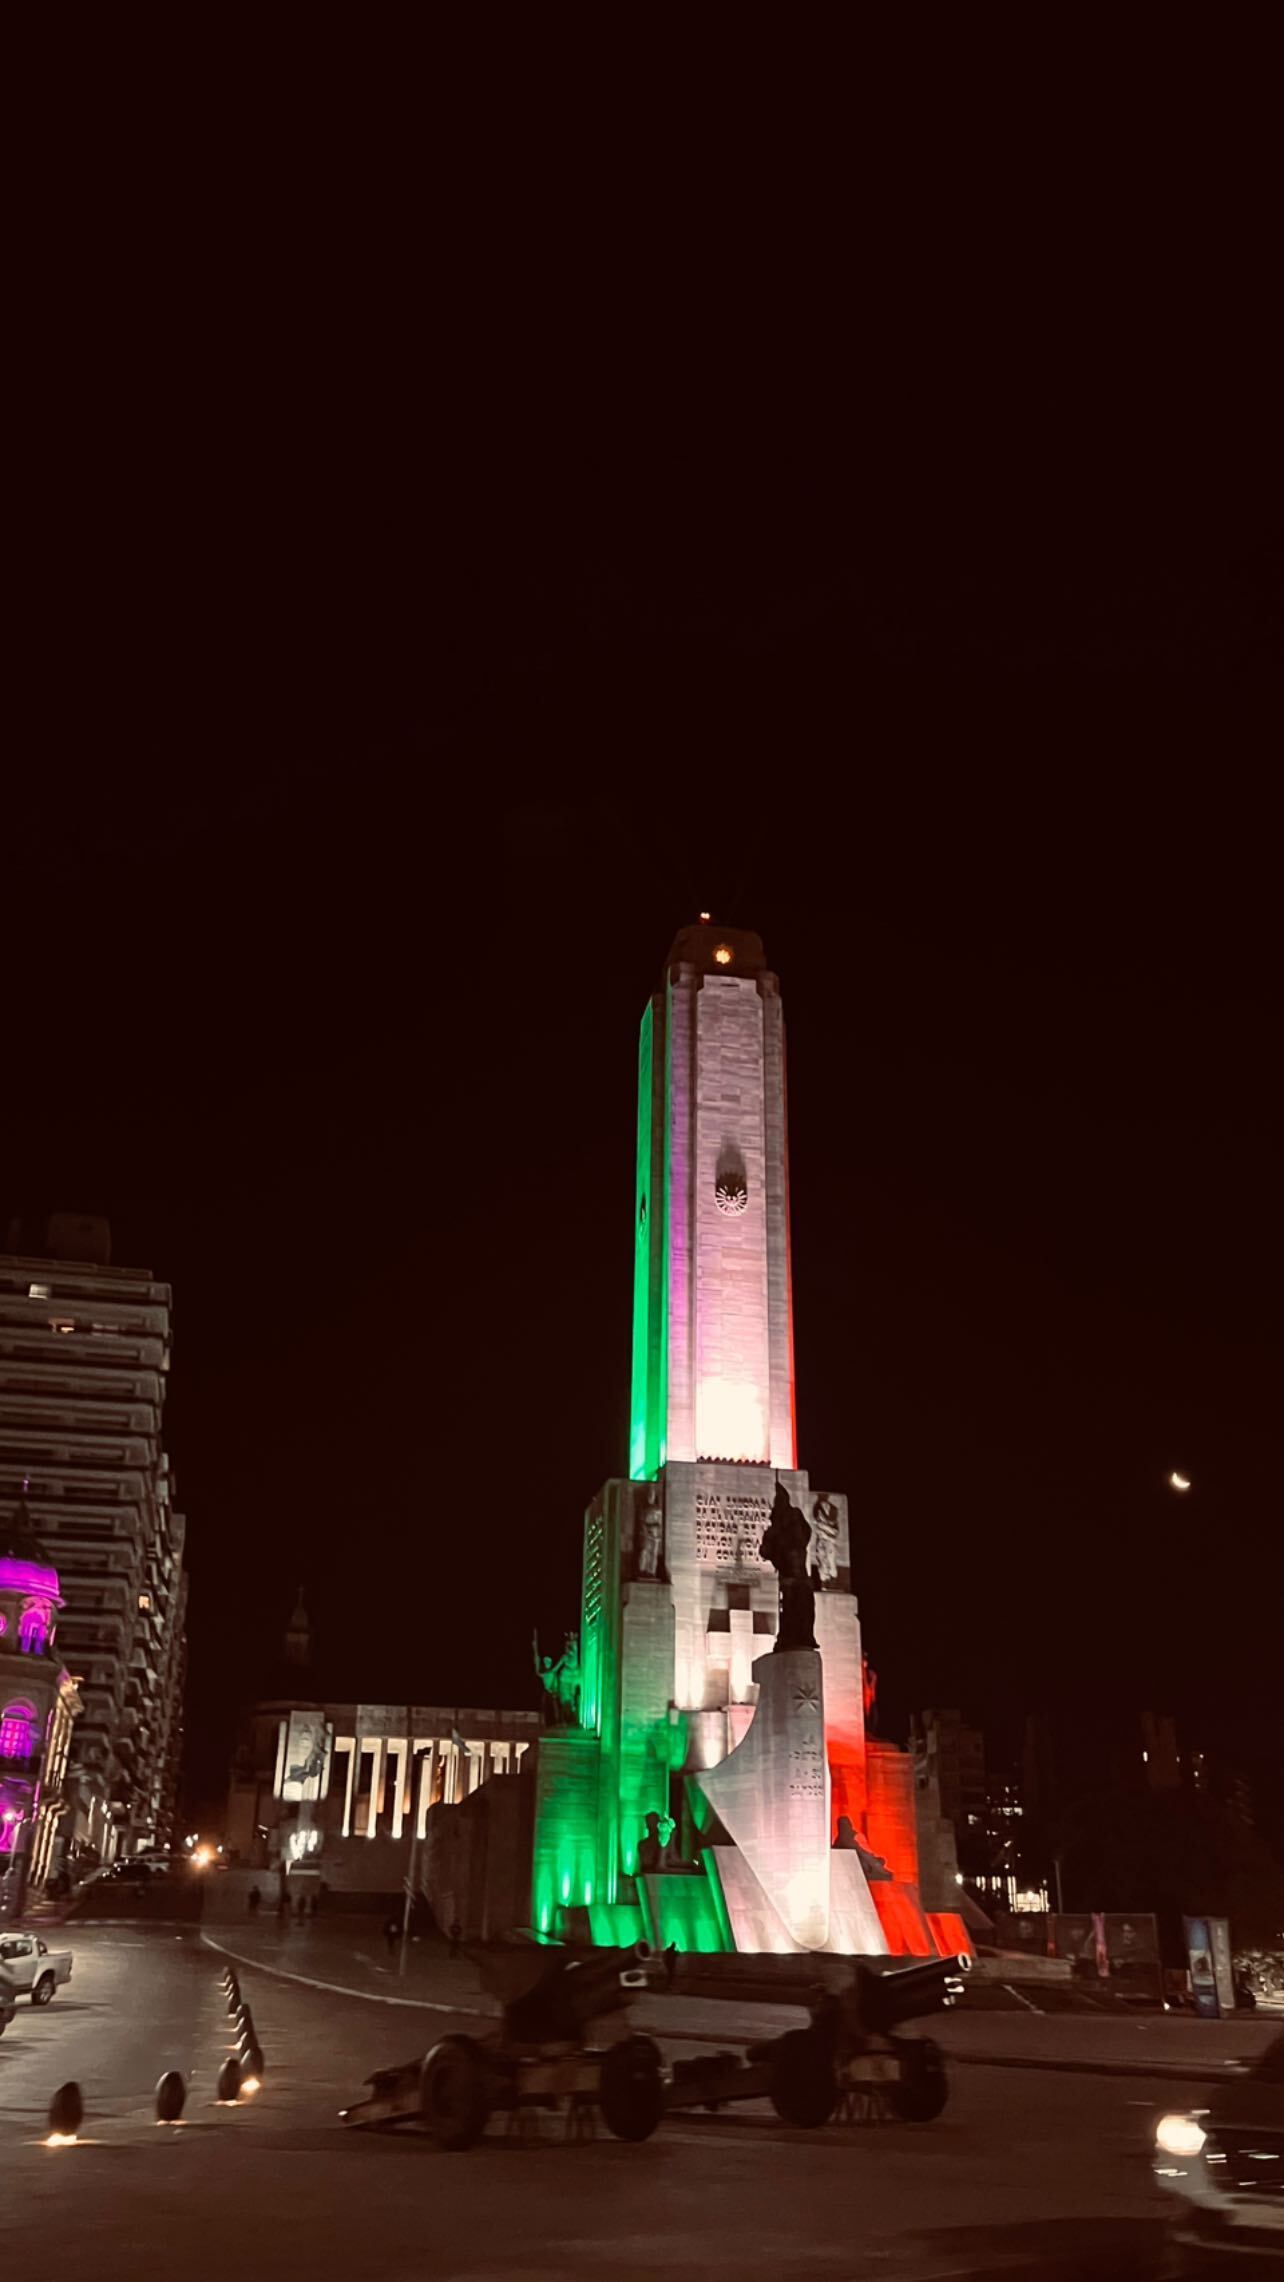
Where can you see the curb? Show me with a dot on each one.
(340, 1988)
(1156, 2070)
(1198, 2071)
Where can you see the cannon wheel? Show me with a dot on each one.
(924, 2087)
(803, 2090)
(453, 2098)
(631, 2090)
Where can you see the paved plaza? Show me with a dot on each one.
(1029, 2171)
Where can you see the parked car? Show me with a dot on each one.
(1226, 2163)
(29, 1968)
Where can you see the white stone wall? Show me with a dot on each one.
(733, 1364)
(780, 1321)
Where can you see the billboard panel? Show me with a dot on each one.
(307, 1756)
(1203, 1980)
(1223, 1969)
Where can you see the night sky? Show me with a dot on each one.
(341, 1032)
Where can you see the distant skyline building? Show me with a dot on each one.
(84, 1358)
(981, 1828)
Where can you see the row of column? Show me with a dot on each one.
(449, 1769)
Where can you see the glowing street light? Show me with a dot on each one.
(1178, 1482)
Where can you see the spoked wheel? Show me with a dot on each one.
(631, 2092)
(42, 1994)
(923, 2088)
(803, 2090)
(453, 2098)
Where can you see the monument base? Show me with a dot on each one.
(771, 1794)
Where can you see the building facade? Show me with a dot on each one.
(38, 1706)
(341, 1787)
(84, 1357)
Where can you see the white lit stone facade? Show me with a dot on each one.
(373, 1771)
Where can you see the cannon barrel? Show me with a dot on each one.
(884, 2000)
(572, 1991)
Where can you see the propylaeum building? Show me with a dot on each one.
(708, 1794)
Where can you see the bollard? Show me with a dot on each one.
(228, 2087)
(171, 2095)
(252, 2062)
(233, 2001)
(66, 2115)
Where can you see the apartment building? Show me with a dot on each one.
(84, 1356)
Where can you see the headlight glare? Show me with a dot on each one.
(1179, 2135)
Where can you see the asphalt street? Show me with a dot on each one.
(1026, 2173)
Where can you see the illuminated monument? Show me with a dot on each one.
(715, 1786)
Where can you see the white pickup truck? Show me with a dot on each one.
(28, 1967)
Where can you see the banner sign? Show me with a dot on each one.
(1203, 1980)
(307, 1756)
(1223, 1970)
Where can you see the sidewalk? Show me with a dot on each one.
(348, 1958)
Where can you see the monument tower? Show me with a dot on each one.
(716, 1787)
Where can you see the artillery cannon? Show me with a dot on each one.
(547, 2052)
(850, 2051)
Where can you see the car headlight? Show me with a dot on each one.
(1179, 2135)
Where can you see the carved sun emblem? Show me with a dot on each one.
(731, 1193)
(807, 1697)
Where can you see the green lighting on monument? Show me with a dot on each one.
(646, 1440)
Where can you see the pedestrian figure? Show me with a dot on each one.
(392, 1935)
(300, 1907)
(255, 1898)
(283, 1900)
(670, 1964)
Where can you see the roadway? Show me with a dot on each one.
(1026, 2174)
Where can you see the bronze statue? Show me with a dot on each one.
(655, 1851)
(786, 1541)
(873, 1865)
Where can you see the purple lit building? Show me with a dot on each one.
(38, 1703)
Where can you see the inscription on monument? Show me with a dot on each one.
(729, 1529)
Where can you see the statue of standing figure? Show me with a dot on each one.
(560, 1678)
(648, 1533)
(786, 1543)
(824, 1529)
